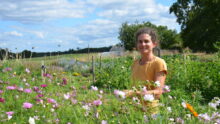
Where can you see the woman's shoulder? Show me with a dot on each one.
(159, 60)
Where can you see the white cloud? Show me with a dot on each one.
(14, 33)
(35, 11)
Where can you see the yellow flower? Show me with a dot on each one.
(76, 74)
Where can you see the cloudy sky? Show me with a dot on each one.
(58, 25)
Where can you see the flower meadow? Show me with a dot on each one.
(28, 95)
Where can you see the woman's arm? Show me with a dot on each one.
(161, 77)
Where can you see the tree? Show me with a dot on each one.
(200, 23)
(169, 39)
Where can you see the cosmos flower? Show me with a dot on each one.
(27, 105)
(94, 88)
(31, 120)
(27, 90)
(64, 81)
(49, 100)
(157, 83)
(104, 122)
(27, 70)
(11, 87)
(43, 85)
(120, 94)
(148, 97)
(97, 102)
(2, 100)
(166, 89)
(10, 113)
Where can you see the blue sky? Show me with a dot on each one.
(58, 25)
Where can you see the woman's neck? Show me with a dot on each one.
(147, 57)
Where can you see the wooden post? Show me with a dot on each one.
(100, 62)
(43, 70)
(93, 69)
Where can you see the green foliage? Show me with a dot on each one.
(200, 23)
(192, 74)
(169, 38)
(115, 73)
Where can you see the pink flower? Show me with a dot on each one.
(64, 81)
(166, 89)
(97, 102)
(49, 100)
(2, 100)
(10, 113)
(74, 101)
(48, 75)
(43, 85)
(7, 69)
(27, 105)
(27, 90)
(1, 91)
(11, 87)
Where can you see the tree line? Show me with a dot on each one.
(6, 54)
(200, 27)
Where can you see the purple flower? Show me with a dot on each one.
(10, 113)
(49, 100)
(27, 70)
(7, 69)
(97, 102)
(48, 75)
(64, 81)
(27, 105)
(11, 87)
(40, 95)
(1, 91)
(36, 89)
(43, 85)
(2, 100)
(27, 90)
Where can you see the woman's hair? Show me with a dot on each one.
(147, 30)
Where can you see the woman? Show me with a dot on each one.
(149, 68)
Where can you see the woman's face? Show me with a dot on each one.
(145, 44)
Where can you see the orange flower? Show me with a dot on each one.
(188, 106)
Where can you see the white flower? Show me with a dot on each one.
(135, 99)
(157, 83)
(183, 104)
(120, 94)
(169, 109)
(27, 70)
(104, 122)
(86, 107)
(171, 119)
(166, 88)
(66, 96)
(31, 120)
(94, 88)
(144, 89)
(148, 97)
(204, 117)
(213, 105)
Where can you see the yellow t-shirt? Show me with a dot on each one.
(148, 70)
